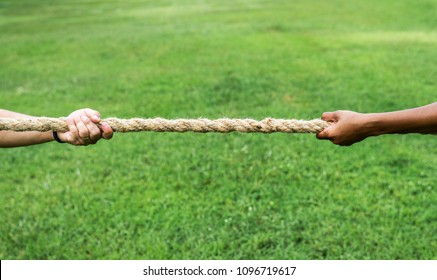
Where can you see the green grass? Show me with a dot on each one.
(211, 196)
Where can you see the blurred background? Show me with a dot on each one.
(218, 196)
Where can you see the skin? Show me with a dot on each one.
(350, 127)
(82, 124)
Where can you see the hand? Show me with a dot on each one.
(83, 129)
(346, 129)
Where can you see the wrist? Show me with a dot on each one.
(56, 137)
(374, 124)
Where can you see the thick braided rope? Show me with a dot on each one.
(268, 125)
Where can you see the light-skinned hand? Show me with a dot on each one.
(83, 128)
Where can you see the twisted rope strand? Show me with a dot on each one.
(268, 125)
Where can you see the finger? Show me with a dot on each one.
(92, 114)
(324, 134)
(82, 130)
(93, 129)
(328, 116)
(64, 136)
(72, 135)
(107, 131)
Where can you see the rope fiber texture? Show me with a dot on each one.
(268, 125)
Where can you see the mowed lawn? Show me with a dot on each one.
(219, 196)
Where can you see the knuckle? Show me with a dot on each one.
(85, 119)
(77, 118)
(95, 136)
(80, 142)
(83, 134)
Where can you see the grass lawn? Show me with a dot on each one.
(219, 196)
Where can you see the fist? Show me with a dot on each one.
(84, 128)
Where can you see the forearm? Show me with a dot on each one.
(9, 139)
(416, 120)
(14, 139)
(349, 127)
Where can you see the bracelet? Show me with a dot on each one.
(55, 135)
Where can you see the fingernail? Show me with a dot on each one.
(96, 117)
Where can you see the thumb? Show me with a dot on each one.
(325, 134)
(65, 136)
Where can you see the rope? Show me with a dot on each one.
(267, 125)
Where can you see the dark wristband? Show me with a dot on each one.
(55, 135)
